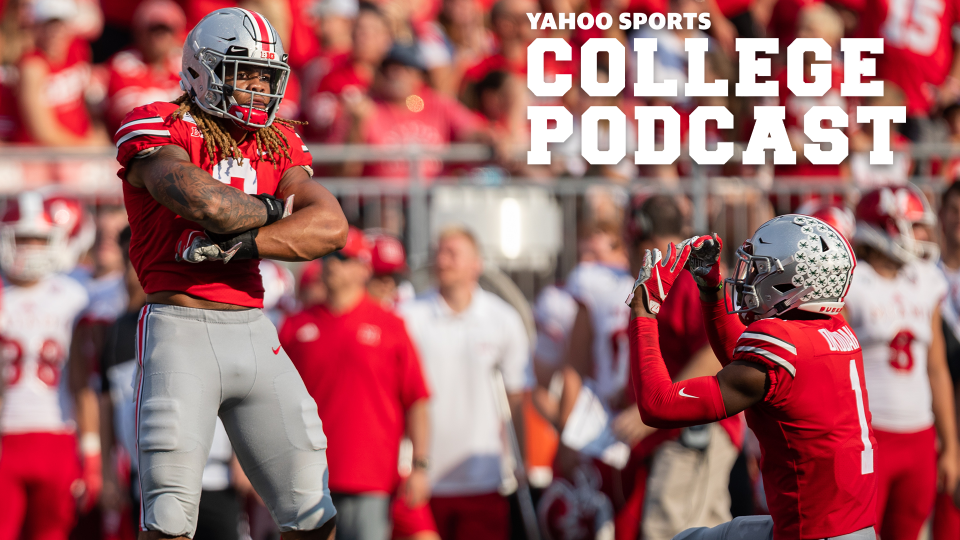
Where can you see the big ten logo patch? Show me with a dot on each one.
(241, 176)
(194, 132)
(369, 335)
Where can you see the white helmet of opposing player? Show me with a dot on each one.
(32, 244)
(214, 52)
(792, 261)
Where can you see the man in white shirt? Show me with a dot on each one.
(464, 334)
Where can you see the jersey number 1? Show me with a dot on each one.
(866, 457)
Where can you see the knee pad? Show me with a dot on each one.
(168, 515)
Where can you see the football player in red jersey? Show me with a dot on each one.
(795, 368)
(205, 180)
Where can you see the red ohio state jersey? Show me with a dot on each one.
(155, 229)
(917, 45)
(813, 426)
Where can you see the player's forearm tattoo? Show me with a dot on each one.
(189, 192)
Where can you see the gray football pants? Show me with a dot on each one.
(756, 528)
(196, 364)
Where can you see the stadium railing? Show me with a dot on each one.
(528, 227)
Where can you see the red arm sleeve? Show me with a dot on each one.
(662, 403)
(723, 329)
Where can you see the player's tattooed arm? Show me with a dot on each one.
(316, 227)
(190, 192)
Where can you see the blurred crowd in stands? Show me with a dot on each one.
(434, 72)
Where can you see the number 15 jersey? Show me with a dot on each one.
(895, 330)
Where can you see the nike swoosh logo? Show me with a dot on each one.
(762, 242)
(682, 393)
(277, 350)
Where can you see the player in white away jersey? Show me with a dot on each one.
(893, 307)
(601, 324)
(39, 463)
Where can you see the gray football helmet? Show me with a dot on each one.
(792, 261)
(212, 54)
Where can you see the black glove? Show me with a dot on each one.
(238, 246)
(274, 207)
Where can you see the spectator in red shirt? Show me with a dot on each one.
(817, 20)
(149, 71)
(361, 368)
(335, 20)
(310, 288)
(406, 112)
(53, 79)
(330, 79)
(454, 42)
(508, 20)
(919, 55)
(389, 264)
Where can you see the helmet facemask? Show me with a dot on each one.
(30, 262)
(750, 272)
(219, 100)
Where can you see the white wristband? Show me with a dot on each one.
(89, 444)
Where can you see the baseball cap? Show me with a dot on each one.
(160, 13)
(388, 256)
(335, 8)
(49, 10)
(357, 247)
(405, 55)
(311, 272)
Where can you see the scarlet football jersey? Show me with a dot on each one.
(156, 229)
(813, 426)
(917, 45)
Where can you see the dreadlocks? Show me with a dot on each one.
(269, 140)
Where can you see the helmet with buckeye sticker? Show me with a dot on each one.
(224, 44)
(791, 262)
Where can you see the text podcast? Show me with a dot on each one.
(769, 131)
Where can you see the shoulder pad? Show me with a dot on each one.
(768, 340)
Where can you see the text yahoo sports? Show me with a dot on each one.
(628, 21)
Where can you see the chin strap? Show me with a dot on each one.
(245, 115)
